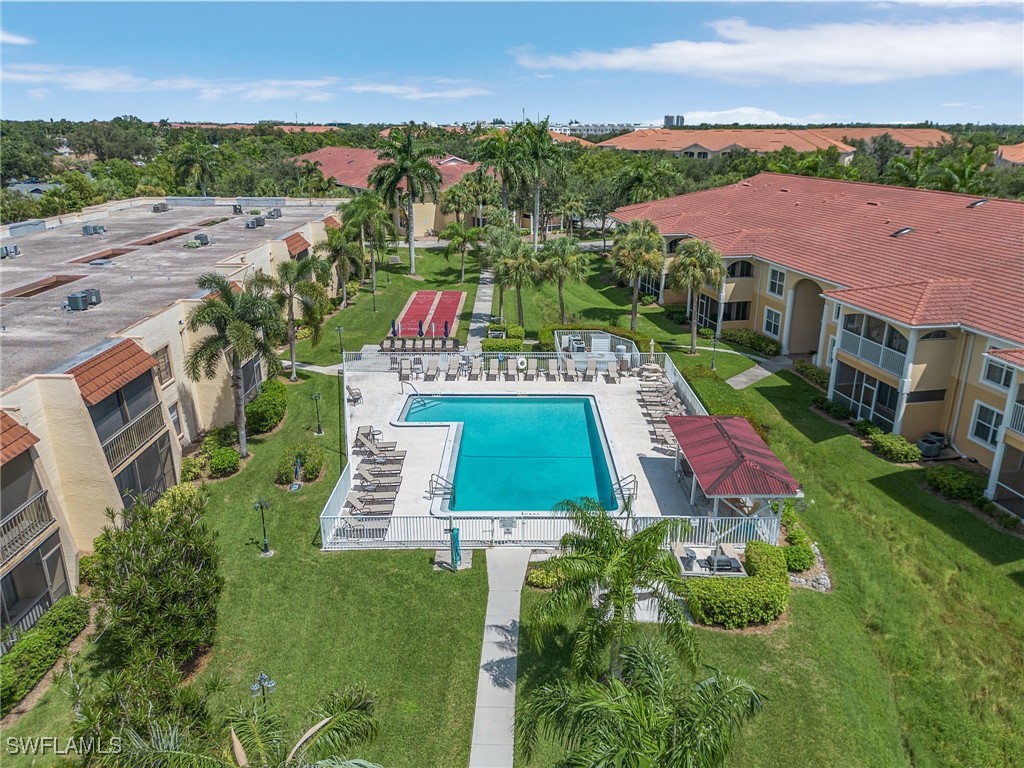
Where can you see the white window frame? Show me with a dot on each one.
(175, 408)
(830, 358)
(160, 381)
(837, 312)
(1007, 371)
(772, 271)
(996, 424)
(778, 323)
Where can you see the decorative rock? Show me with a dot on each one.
(821, 582)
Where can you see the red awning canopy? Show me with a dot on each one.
(296, 244)
(729, 459)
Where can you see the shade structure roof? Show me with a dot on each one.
(15, 439)
(729, 459)
(296, 244)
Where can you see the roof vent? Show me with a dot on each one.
(873, 202)
(978, 203)
(782, 189)
(902, 231)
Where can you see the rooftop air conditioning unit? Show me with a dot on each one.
(260, 221)
(157, 209)
(251, 224)
(10, 251)
(78, 302)
(93, 294)
(88, 229)
(203, 238)
(99, 229)
(236, 210)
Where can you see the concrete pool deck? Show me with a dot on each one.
(627, 431)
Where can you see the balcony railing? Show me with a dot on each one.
(133, 435)
(1017, 418)
(24, 524)
(872, 352)
(26, 619)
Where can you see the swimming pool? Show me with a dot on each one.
(521, 454)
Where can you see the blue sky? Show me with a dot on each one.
(592, 62)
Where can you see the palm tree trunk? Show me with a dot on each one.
(519, 304)
(411, 235)
(693, 321)
(561, 299)
(373, 276)
(202, 188)
(463, 278)
(504, 194)
(604, 233)
(239, 394)
(636, 298)
(501, 302)
(536, 212)
(344, 294)
(291, 337)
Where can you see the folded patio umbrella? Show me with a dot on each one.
(446, 329)
(420, 331)
(394, 330)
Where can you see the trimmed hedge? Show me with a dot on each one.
(753, 340)
(895, 448)
(177, 495)
(312, 463)
(812, 373)
(221, 437)
(39, 648)
(956, 483)
(267, 409)
(510, 346)
(677, 315)
(546, 336)
(224, 462)
(737, 602)
(191, 469)
(798, 553)
(865, 428)
(833, 409)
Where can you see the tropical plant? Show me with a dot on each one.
(242, 323)
(459, 238)
(517, 266)
(652, 716)
(458, 199)
(697, 264)
(367, 217)
(570, 208)
(313, 180)
(604, 570)
(484, 190)
(500, 236)
(499, 152)
(300, 282)
(637, 254)
(407, 168)
(562, 260)
(195, 163)
(340, 251)
(540, 155)
(644, 179)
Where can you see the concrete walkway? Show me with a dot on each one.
(758, 372)
(481, 310)
(494, 721)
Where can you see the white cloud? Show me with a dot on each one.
(849, 53)
(9, 38)
(38, 93)
(747, 116)
(954, 104)
(417, 93)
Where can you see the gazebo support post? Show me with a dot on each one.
(693, 490)
(714, 508)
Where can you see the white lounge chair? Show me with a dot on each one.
(453, 368)
(431, 373)
(612, 374)
(511, 369)
(405, 370)
(493, 369)
(369, 509)
(476, 369)
(591, 372)
(531, 369)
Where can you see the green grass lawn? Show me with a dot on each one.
(364, 326)
(316, 622)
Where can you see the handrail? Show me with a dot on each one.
(129, 438)
(620, 486)
(441, 486)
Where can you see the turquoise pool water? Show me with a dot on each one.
(522, 453)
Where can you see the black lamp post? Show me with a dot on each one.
(262, 506)
(316, 400)
(262, 685)
(714, 350)
(340, 329)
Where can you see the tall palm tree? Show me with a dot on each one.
(499, 151)
(484, 190)
(406, 165)
(517, 267)
(345, 255)
(563, 260)
(651, 717)
(571, 207)
(908, 171)
(540, 154)
(300, 282)
(459, 238)
(242, 323)
(313, 179)
(458, 199)
(603, 569)
(697, 264)
(499, 237)
(643, 179)
(368, 218)
(195, 163)
(637, 254)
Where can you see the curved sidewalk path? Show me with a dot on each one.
(481, 310)
(759, 371)
(494, 722)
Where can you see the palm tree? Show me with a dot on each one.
(313, 179)
(195, 163)
(243, 322)
(540, 154)
(484, 190)
(908, 172)
(459, 238)
(367, 217)
(697, 264)
(345, 255)
(637, 254)
(644, 179)
(458, 199)
(571, 207)
(499, 151)
(562, 260)
(299, 281)
(603, 569)
(651, 717)
(500, 236)
(517, 266)
(406, 166)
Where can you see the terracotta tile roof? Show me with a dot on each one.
(908, 137)
(249, 126)
(927, 302)
(107, 372)
(563, 138)
(1010, 154)
(296, 244)
(729, 459)
(332, 222)
(1014, 357)
(352, 166)
(720, 139)
(841, 232)
(14, 438)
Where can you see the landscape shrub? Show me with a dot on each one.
(812, 373)
(177, 495)
(221, 437)
(956, 483)
(706, 333)
(509, 346)
(191, 469)
(865, 428)
(1007, 520)
(544, 576)
(833, 409)
(648, 299)
(516, 332)
(224, 462)
(895, 448)
(312, 463)
(267, 409)
(739, 602)
(753, 340)
(303, 332)
(546, 335)
(39, 648)
(677, 315)
(798, 553)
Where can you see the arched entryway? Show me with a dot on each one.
(805, 318)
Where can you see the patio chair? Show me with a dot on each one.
(369, 509)
(370, 446)
(511, 369)
(401, 345)
(567, 369)
(591, 372)
(612, 374)
(388, 456)
(368, 432)
(377, 470)
(405, 370)
(376, 497)
(419, 345)
(454, 344)
(431, 373)
(493, 369)
(354, 395)
(531, 369)
(476, 369)
(453, 368)
(367, 481)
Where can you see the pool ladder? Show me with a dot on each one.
(441, 486)
(625, 487)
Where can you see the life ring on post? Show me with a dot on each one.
(521, 363)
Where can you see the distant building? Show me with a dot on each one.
(594, 129)
(1010, 155)
(675, 121)
(31, 188)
